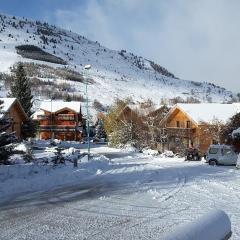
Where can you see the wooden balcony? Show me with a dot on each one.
(179, 132)
(59, 128)
(60, 117)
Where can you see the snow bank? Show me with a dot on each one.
(215, 225)
(96, 164)
(31, 177)
(168, 154)
(150, 152)
(129, 148)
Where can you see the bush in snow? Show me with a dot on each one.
(125, 126)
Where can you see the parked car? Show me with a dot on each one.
(192, 154)
(221, 155)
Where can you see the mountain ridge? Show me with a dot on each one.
(114, 74)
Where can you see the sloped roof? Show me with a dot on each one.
(55, 106)
(7, 104)
(206, 112)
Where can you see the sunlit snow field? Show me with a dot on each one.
(119, 194)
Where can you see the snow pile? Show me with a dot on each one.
(129, 148)
(169, 154)
(215, 225)
(150, 152)
(96, 165)
(22, 147)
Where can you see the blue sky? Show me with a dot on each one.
(36, 9)
(196, 40)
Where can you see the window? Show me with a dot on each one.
(178, 124)
(188, 124)
(213, 150)
(226, 151)
(66, 117)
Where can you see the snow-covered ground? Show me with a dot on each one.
(118, 195)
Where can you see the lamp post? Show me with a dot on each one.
(51, 122)
(86, 68)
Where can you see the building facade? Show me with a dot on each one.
(60, 120)
(192, 125)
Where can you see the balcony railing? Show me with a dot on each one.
(180, 132)
(58, 128)
(66, 117)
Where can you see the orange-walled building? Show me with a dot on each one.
(60, 120)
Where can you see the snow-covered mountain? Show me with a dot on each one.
(55, 59)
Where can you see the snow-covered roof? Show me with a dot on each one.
(206, 112)
(7, 103)
(55, 106)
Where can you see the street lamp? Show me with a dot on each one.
(86, 68)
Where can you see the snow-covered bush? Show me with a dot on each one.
(150, 152)
(236, 134)
(21, 147)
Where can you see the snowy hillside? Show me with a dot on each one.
(59, 57)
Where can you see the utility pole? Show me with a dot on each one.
(86, 68)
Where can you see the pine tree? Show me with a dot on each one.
(5, 138)
(67, 98)
(100, 131)
(21, 90)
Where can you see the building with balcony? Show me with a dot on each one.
(60, 120)
(191, 125)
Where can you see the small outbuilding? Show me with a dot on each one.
(11, 108)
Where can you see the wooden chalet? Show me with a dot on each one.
(186, 125)
(60, 120)
(12, 109)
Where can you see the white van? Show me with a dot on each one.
(221, 154)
